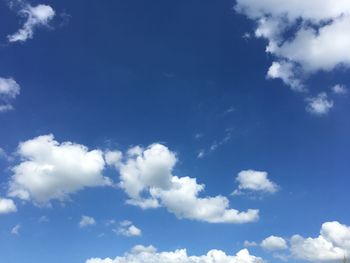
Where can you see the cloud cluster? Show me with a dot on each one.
(332, 244)
(303, 36)
(147, 177)
(36, 16)
(52, 170)
(256, 181)
(9, 90)
(149, 254)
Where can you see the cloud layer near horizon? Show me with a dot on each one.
(142, 254)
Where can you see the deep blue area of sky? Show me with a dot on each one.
(119, 73)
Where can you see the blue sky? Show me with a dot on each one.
(115, 114)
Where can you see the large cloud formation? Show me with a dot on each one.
(141, 254)
(52, 170)
(303, 36)
(146, 175)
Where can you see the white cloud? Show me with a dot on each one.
(15, 230)
(286, 72)
(339, 89)
(9, 90)
(7, 206)
(274, 243)
(126, 228)
(113, 158)
(147, 177)
(332, 244)
(147, 168)
(309, 36)
(36, 16)
(251, 180)
(141, 254)
(134, 151)
(86, 221)
(315, 249)
(319, 105)
(52, 170)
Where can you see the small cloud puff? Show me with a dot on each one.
(127, 229)
(86, 221)
(254, 181)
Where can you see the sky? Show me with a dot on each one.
(193, 131)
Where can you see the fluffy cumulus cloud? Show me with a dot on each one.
(35, 16)
(254, 181)
(126, 228)
(274, 243)
(86, 221)
(7, 206)
(332, 244)
(52, 170)
(147, 177)
(319, 105)
(141, 254)
(9, 90)
(303, 36)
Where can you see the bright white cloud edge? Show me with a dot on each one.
(142, 254)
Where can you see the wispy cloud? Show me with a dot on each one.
(35, 17)
(319, 105)
(339, 89)
(216, 144)
(9, 90)
(15, 230)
